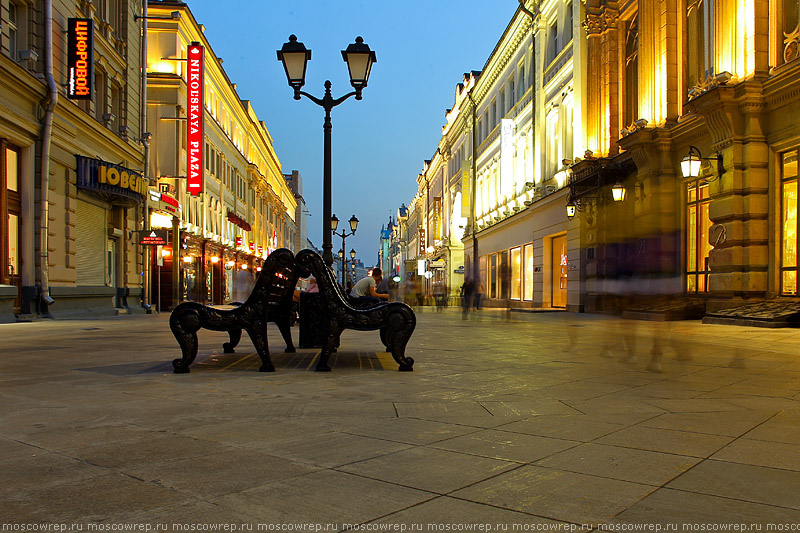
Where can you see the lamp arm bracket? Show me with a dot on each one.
(327, 102)
(341, 99)
(314, 99)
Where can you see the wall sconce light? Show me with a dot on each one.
(618, 192)
(214, 259)
(690, 165)
(572, 209)
(187, 259)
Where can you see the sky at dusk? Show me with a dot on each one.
(379, 143)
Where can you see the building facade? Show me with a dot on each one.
(71, 160)
(719, 79)
(246, 208)
(493, 194)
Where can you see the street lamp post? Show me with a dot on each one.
(344, 234)
(359, 59)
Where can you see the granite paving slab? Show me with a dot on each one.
(557, 495)
(517, 447)
(625, 464)
(758, 484)
(668, 506)
(430, 469)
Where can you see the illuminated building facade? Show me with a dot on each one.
(65, 242)
(720, 78)
(494, 192)
(247, 207)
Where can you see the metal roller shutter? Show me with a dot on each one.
(90, 242)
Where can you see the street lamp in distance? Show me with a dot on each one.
(344, 234)
(359, 59)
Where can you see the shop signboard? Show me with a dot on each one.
(194, 124)
(80, 58)
(109, 180)
(153, 237)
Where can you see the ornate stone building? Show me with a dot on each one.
(715, 77)
(71, 185)
(247, 206)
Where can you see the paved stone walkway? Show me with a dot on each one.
(537, 422)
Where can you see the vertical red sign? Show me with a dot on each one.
(80, 58)
(194, 124)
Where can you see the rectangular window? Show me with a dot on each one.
(528, 294)
(568, 23)
(12, 170)
(698, 246)
(630, 109)
(552, 42)
(516, 273)
(790, 39)
(492, 284)
(521, 83)
(504, 273)
(789, 186)
(700, 41)
(101, 96)
(13, 34)
(13, 246)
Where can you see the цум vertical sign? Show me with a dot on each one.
(80, 58)
(194, 124)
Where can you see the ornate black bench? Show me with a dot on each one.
(270, 301)
(396, 321)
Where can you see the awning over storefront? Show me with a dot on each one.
(112, 183)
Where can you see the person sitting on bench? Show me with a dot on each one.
(364, 290)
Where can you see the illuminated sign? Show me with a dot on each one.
(194, 124)
(421, 241)
(110, 180)
(465, 199)
(252, 246)
(239, 221)
(437, 218)
(238, 241)
(153, 237)
(80, 58)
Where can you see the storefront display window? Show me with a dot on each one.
(13, 246)
(516, 273)
(698, 246)
(492, 283)
(10, 223)
(789, 188)
(528, 261)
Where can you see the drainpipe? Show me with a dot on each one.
(145, 140)
(533, 16)
(473, 182)
(47, 135)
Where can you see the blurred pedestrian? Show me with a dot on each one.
(467, 290)
(477, 295)
(439, 294)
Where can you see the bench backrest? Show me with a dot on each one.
(326, 279)
(276, 281)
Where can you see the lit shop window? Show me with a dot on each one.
(698, 246)
(528, 291)
(789, 223)
(516, 273)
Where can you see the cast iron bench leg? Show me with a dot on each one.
(235, 336)
(259, 338)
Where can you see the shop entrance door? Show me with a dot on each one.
(560, 264)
